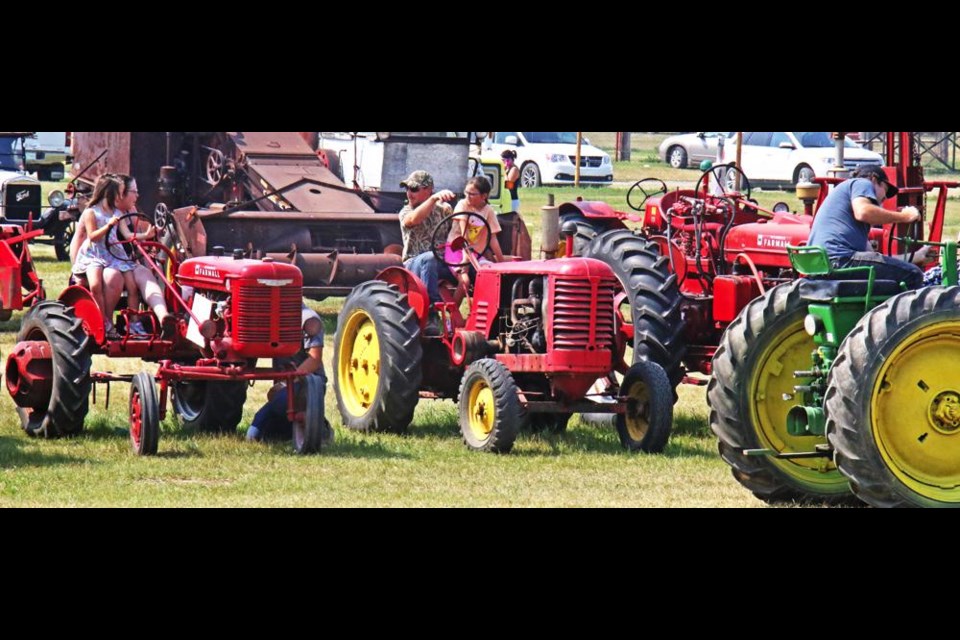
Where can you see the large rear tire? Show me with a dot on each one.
(214, 407)
(653, 295)
(893, 402)
(752, 371)
(377, 358)
(63, 412)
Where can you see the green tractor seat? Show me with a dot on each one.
(826, 284)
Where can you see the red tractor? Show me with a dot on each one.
(537, 337)
(230, 311)
(20, 286)
(695, 259)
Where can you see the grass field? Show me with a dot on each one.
(429, 467)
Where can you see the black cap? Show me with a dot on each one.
(874, 171)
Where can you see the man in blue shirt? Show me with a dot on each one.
(842, 225)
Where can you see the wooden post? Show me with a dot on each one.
(623, 146)
(576, 173)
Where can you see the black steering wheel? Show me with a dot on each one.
(648, 191)
(909, 242)
(725, 175)
(438, 241)
(118, 249)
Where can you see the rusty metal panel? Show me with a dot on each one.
(112, 147)
(308, 196)
(271, 144)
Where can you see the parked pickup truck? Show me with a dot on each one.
(47, 153)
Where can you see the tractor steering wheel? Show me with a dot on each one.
(912, 239)
(647, 191)
(118, 249)
(728, 183)
(439, 243)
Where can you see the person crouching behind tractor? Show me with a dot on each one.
(270, 422)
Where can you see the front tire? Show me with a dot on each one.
(490, 412)
(752, 371)
(144, 415)
(214, 407)
(677, 157)
(530, 175)
(377, 359)
(61, 240)
(649, 418)
(309, 431)
(893, 402)
(62, 412)
(803, 173)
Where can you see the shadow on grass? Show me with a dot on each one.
(12, 455)
(357, 449)
(578, 438)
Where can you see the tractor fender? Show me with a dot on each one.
(596, 209)
(87, 310)
(408, 283)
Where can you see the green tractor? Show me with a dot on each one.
(873, 412)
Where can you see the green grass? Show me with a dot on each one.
(429, 467)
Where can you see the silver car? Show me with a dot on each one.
(690, 149)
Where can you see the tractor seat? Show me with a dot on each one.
(828, 290)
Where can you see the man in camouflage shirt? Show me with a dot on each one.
(423, 212)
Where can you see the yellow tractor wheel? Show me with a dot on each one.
(893, 402)
(377, 358)
(751, 392)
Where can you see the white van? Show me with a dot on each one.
(47, 153)
(547, 157)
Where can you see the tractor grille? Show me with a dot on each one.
(19, 200)
(577, 309)
(268, 314)
(587, 161)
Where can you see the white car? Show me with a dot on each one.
(547, 157)
(690, 149)
(789, 157)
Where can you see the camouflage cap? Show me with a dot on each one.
(420, 179)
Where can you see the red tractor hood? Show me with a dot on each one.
(766, 242)
(566, 267)
(211, 272)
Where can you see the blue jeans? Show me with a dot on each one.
(884, 268)
(270, 422)
(425, 266)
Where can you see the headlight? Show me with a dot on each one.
(55, 198)
(606, 160)
(557, 157)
